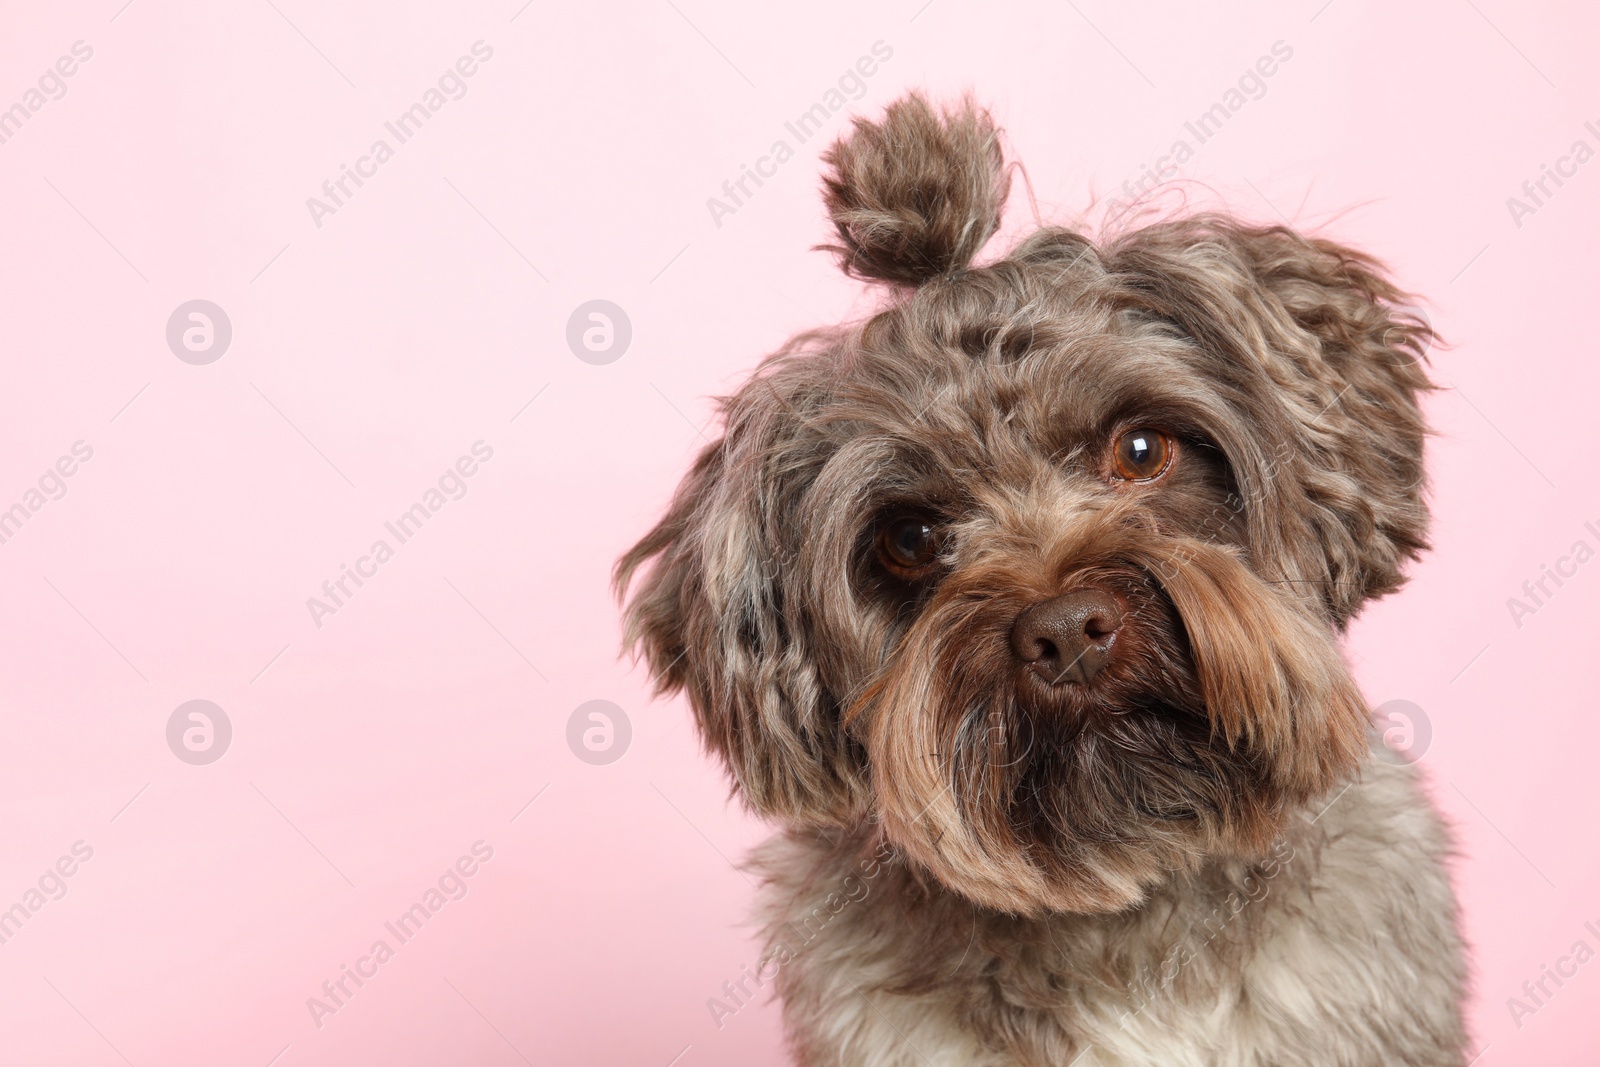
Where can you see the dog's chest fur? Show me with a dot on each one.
(1338, 949)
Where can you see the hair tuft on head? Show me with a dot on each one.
(916, 194)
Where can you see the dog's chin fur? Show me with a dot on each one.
(1335, 946)
(860, 700)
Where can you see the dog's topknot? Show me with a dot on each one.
(917, 194)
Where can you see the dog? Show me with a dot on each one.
(1018, 607)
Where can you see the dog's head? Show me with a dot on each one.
(1042, 568)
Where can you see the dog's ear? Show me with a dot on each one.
(712, 618)
(1325, 365)
(917, 194)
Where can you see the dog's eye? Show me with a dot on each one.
(907, 545)
(1141, 455)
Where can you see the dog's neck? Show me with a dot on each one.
(847, 918)
(855, 878)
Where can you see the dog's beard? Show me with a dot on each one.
(1224, 704)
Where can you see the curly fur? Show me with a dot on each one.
(860, 709)
(917, 195)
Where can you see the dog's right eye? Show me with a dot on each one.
(1141, 455)
(907, 545)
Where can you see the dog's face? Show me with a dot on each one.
(1042, 568)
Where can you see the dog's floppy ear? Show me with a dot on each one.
(1325, 363)
(917, 194)
(712, 618)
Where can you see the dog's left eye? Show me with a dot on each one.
(907, 545)
(1141, 455)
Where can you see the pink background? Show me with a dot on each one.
(368, 354)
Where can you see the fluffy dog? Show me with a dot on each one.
(1018, 605)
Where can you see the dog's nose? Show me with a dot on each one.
(1067, 638)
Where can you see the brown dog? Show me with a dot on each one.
(1018, 605)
